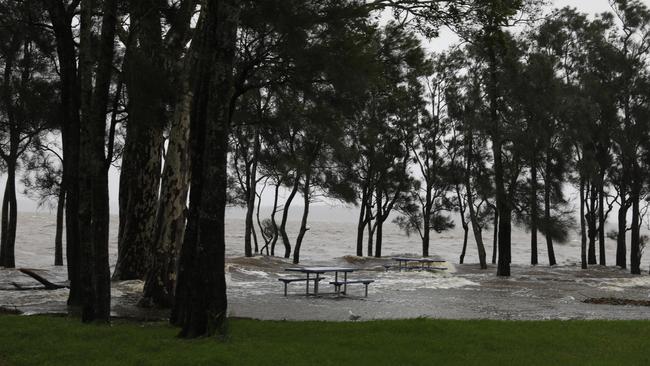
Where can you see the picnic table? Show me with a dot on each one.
(424, 263)
(318, 271)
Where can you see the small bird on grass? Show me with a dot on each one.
(354, 317)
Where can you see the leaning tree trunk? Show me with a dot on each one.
(478, 235)
(285, 217)
(463, 223)
(476, 228)
(170, 218)
(58, 238)
(274, 239)
(303, 223)
(9, 217)
(201, 304)
(583, 230)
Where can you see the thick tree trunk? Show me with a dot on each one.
(61, 20)
(141, 164)
(93, 199)
(583, 229)
(201, 304)
(533, 214)
(303, 223)
(58, 238)
(170, 218)
(285, 216)
(503, 206)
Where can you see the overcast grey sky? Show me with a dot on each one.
(446, 38)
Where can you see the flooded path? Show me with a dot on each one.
(461, 292)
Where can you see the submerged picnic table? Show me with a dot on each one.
(425, 263)
(322, 270)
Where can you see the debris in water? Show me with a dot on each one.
(616, 301)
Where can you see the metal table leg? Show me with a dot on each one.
(307, 291)
(345, 283)
(316, 284)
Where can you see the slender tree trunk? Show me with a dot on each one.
(201, 304)
(478, 236)
(591, 222)
(533, 214)
(250, 202)
(426, 225)
(621, 248)
(362, 221)
(274, 240)
(601, 219)
(465, 236)
(635, 245)
(303, 223)
(547, 210)
(58, 238)
(476, 227)
(463, 223)
(371, 236)
(495, 236)
(583, 229)
(9, 217)
(285, 216)
(267, 240)
(379, 224)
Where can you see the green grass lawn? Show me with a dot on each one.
(41, 340)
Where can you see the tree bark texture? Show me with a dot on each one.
(201, 303)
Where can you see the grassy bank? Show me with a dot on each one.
(41, 340)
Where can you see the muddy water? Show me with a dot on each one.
(460, 292)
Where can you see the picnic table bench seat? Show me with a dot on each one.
(287, 280)
(338, 284)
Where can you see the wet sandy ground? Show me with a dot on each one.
(461, 292)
